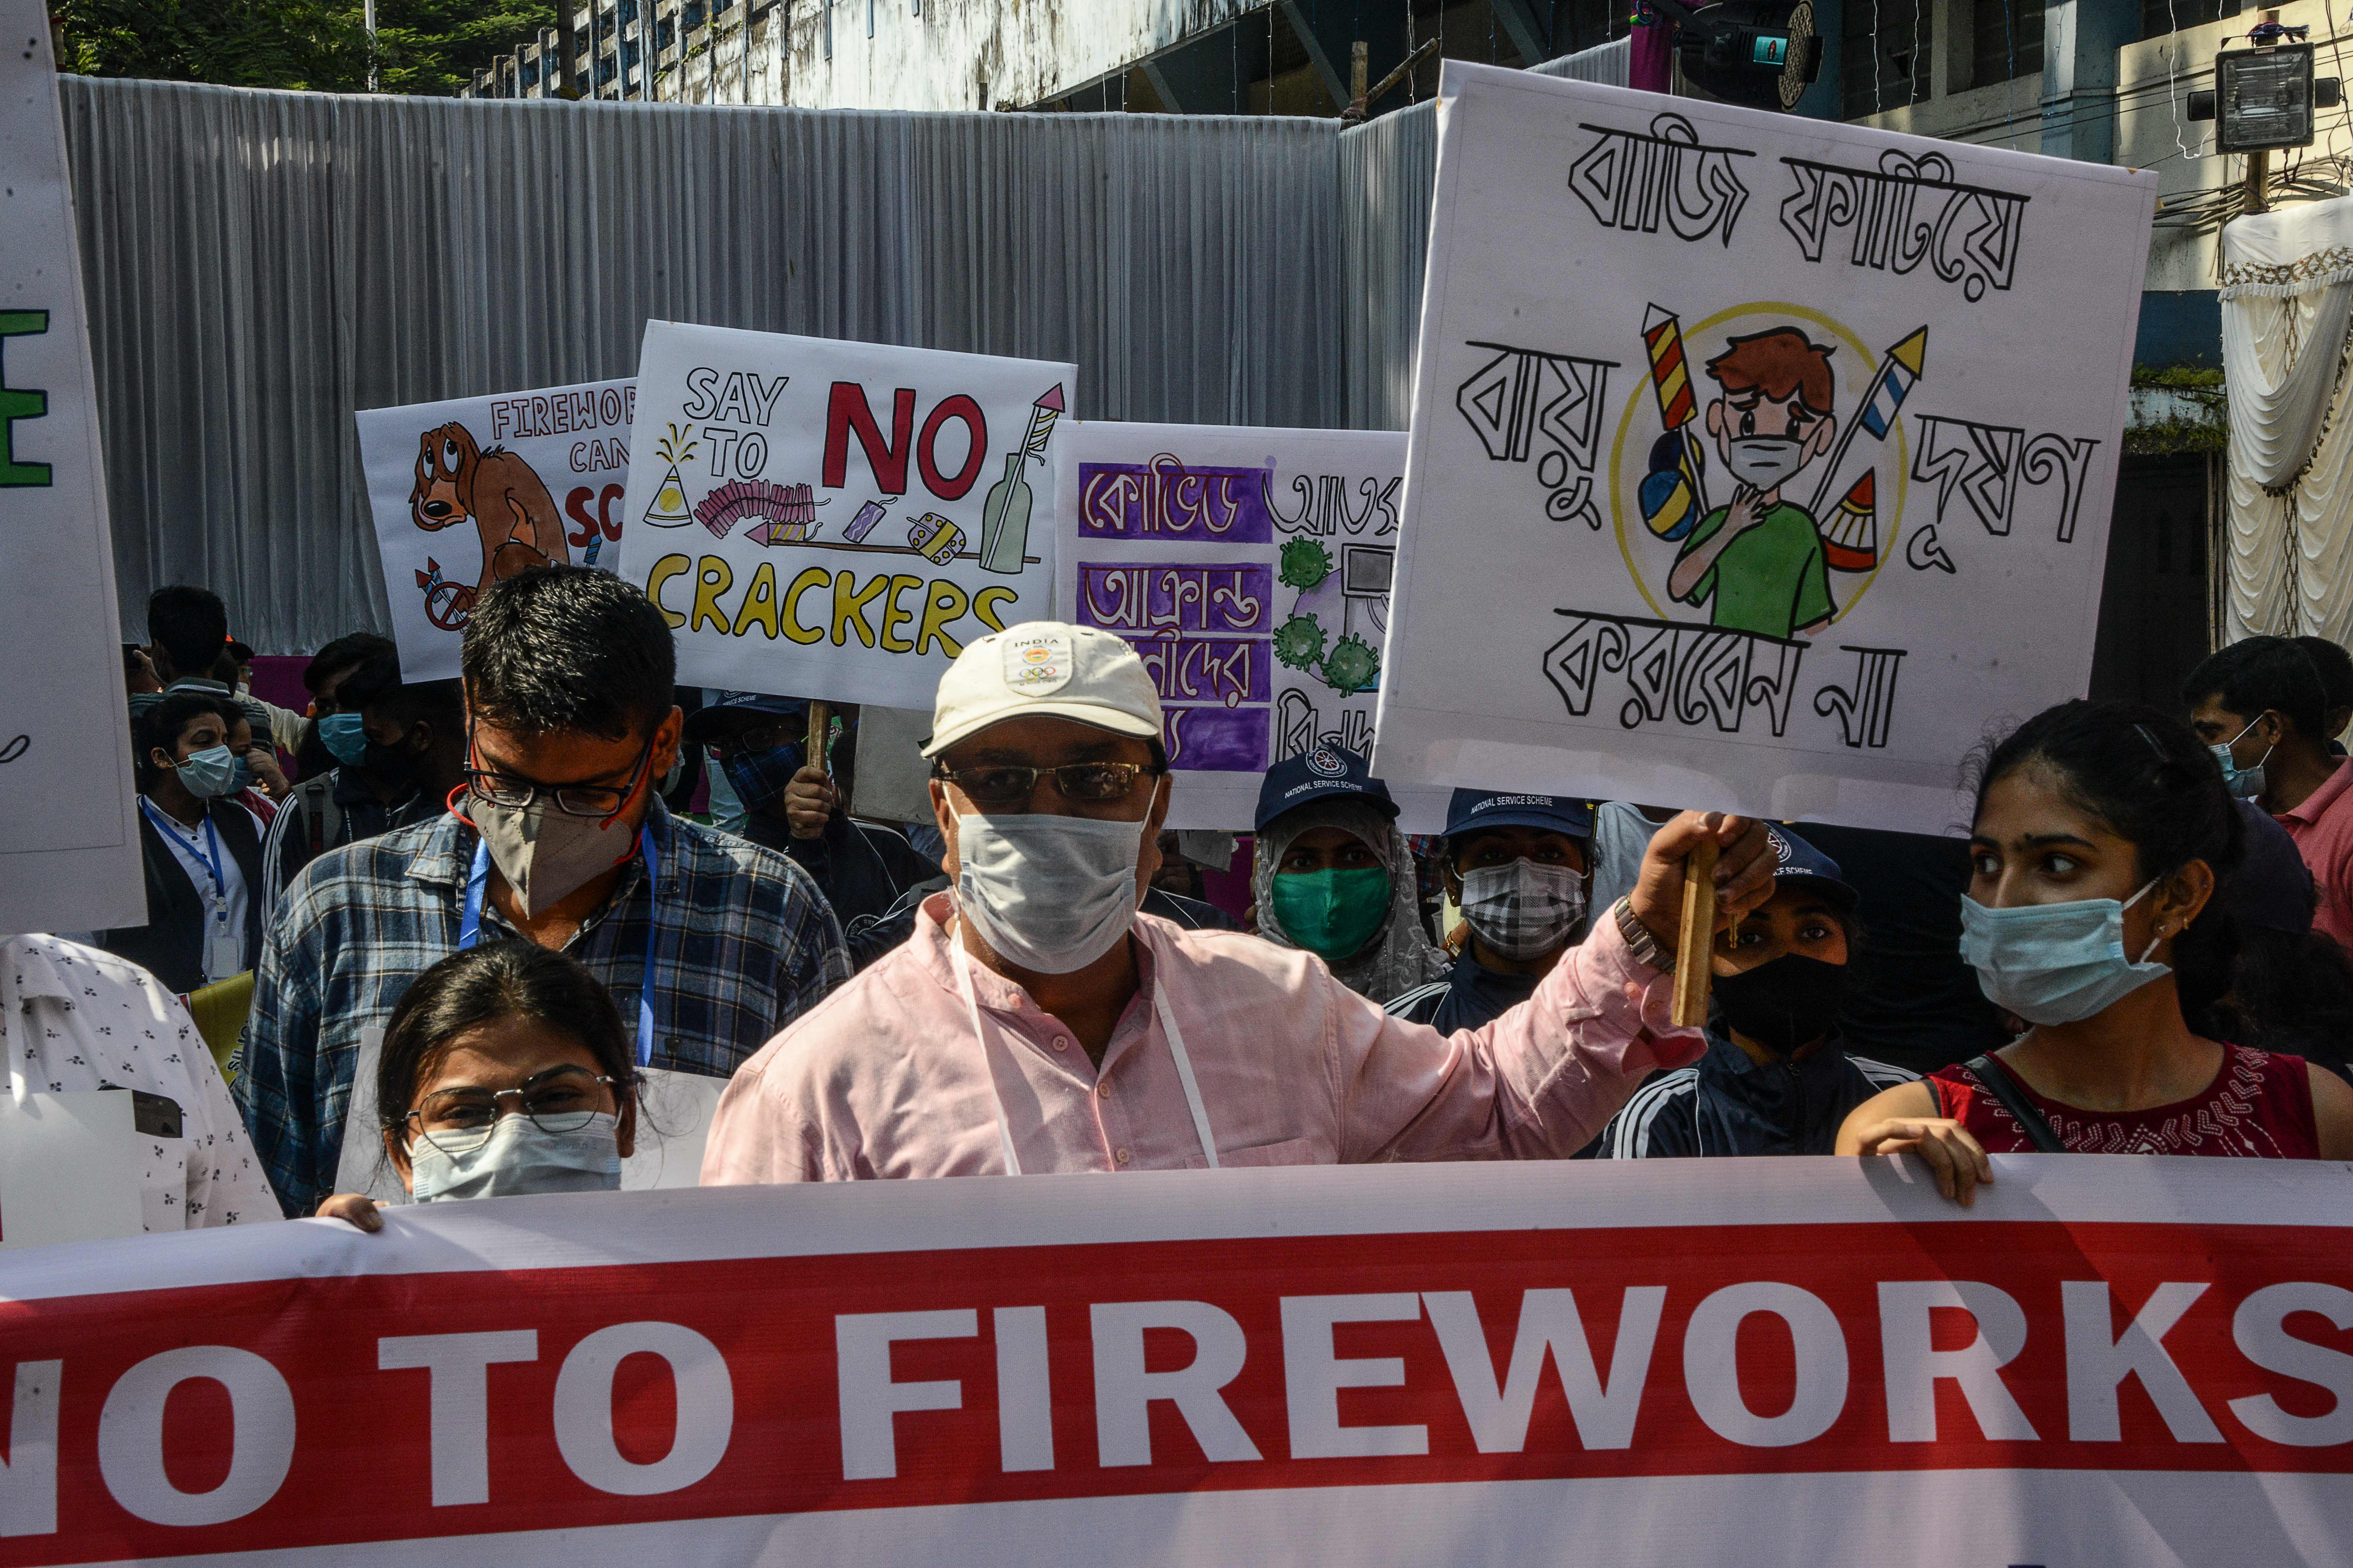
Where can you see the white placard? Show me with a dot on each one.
(70, 1167)
(1249, 565)
(836, 520)
(470, 489)
(1917, 352)
(68, 827)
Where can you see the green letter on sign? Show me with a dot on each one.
(18, 403)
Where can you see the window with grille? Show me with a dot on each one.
(2008, 41)
(1883, 55)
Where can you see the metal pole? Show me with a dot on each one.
(367, 18)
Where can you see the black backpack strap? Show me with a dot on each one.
(1999, 1085)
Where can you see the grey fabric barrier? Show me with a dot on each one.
(260, 264)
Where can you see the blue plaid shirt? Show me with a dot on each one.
(747, 945)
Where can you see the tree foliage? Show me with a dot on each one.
(429, 48)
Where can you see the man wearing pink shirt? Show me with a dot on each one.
(2261, 706)
(1036, 1022)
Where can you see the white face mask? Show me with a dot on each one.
(1764, 461)
(1048, 894)
(520, 1156)
(1522, 909)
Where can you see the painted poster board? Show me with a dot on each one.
(1918, 354)
(470, 489)
(1249, 565)
(836, 520)
(68, 829)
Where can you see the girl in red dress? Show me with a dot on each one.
(2100, 833)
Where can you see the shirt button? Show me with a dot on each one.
(1104, 1089)
(1121, 1156)
(1061, 1042)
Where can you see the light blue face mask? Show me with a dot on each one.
(210, 774)
(2056, 963)
(518, 1157)
(2244, 783)
(346, 741)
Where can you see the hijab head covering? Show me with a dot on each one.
(1400, 956)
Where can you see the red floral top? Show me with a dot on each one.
(2259, 1106)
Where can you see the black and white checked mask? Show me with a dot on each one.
(1522, 909)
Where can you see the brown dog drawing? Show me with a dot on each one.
(456, 479)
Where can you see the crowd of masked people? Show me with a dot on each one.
(489, 898)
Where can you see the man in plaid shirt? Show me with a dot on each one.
(569, 675)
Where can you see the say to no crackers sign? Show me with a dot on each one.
(2110, 1361)
(836, 520)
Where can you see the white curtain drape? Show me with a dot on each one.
(2288, 308)
(259, 264)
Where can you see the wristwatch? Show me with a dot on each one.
(1640, 941)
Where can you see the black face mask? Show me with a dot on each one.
(392, 766)
(1782, 1005)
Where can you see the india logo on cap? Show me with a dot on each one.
(1038, 664)
(1325, 762)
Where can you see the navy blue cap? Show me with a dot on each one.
(700, 723)
(1319, 775)
(1470, 810)
(1801, 862)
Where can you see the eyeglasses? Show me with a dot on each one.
(572, 799)
(1096, 783)
(460, 1121)
(765, 739)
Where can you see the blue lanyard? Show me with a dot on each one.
(470, 931)
(210, 849)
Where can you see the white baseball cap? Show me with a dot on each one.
(1045, 668)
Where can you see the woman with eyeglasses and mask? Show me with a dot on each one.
(2101, 832)
(201, 850)
(505, 1072)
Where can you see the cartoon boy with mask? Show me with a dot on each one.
(1758, 564)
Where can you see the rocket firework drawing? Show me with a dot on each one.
(1674, 497)
(1851, 538)
(1005, 515)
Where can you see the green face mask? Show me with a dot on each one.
(1332, 914)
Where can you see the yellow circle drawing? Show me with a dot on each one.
(1864, 366)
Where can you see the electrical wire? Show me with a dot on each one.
(1878, 105)
(1912, 93)
(2172, 59)
(2009, 88)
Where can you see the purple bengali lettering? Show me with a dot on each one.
(1165, 502)
(1216, 740)
(1161, 601)
(1231, 670)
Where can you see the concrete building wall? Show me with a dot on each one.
(977, 54)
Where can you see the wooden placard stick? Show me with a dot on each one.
(1696, 940)
(820, 719)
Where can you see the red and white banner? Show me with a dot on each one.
(1804, 1362)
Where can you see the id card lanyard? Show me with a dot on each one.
(962, 964)
(470, 930)
(222, 947)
